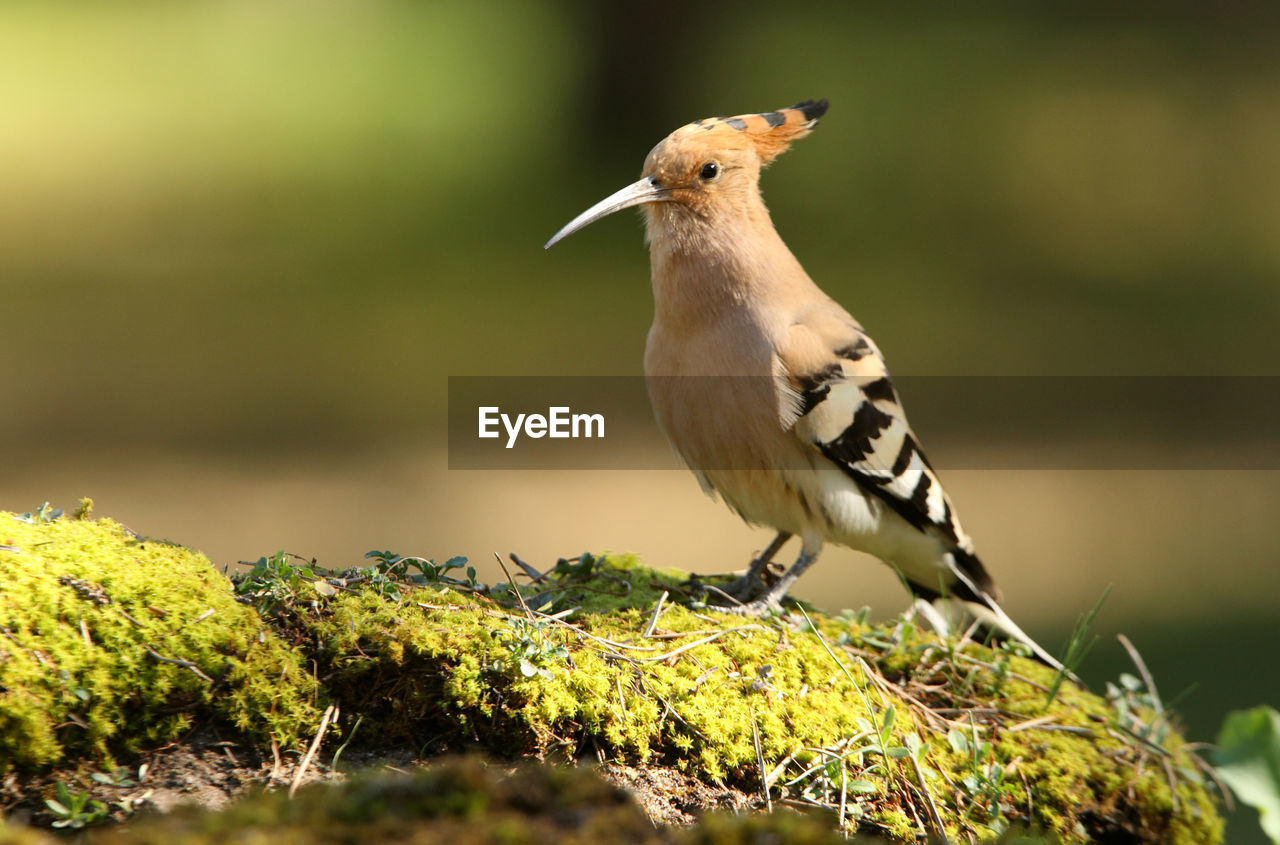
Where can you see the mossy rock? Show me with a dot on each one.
(900, 734)
(110, 642)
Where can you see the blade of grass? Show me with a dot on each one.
(1077, 648)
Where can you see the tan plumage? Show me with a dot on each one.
(768, 389)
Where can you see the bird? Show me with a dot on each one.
(776, 398)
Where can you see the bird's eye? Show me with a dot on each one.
(710, 170)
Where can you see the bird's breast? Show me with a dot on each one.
(714, 393)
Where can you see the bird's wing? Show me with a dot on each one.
(836, 394)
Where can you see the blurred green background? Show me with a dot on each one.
(242, 245)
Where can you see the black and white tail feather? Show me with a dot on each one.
(989, 613)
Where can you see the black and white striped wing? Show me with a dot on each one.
(847, 406)
(837, 396)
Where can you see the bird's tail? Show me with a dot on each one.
(970, 596)
(991, 615)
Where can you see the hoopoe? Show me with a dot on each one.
(813, 441)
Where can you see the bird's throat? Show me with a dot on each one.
(703, 270)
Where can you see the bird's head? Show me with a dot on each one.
(708, 165)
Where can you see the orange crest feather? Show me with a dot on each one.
(770, 133)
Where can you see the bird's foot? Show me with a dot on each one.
(744, 587)
(750, 585)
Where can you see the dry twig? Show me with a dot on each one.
(311, 751)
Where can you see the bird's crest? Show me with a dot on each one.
(770, 133)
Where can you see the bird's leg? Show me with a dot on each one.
(751, 582)
(771, 602)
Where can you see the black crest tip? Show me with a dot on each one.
(813, 109)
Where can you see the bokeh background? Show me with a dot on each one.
(243, 244)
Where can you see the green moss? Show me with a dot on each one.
(100, 632)
(89, 615)
(443, 667)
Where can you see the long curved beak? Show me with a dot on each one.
(646, 190)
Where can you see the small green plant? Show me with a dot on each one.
(274, 581)
(383, 584)
(393, 567)
(843, 775)
(860, 618)
(834, 779)
(75, 809)
(576, 567)
(44, 513)
(118, 777)
(1005, 651)
(531, 646)
(73, 689)
(1133, 702)
(984, 784)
